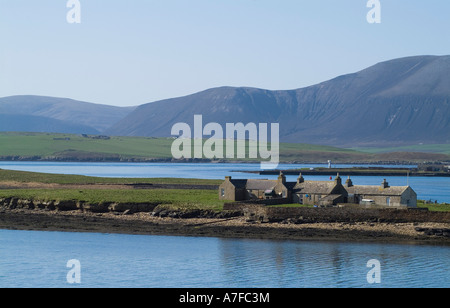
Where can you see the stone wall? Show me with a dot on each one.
(355, 215)
(233, 206)
(331, 215)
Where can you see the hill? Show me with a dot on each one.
(29, 123)
(28, 113)
(399, 102)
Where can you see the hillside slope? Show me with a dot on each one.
(81, 116)
(398, 102)
(28, 123)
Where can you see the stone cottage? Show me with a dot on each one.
(383, 195)
(319, 193)
(241, 190)
(323, 193)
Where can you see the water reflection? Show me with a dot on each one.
(38, 259)
(324, 265)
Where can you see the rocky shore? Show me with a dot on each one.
(224, 225)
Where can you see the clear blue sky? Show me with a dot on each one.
(132, 52)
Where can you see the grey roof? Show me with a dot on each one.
(318, 187)
(238, 183)
(377, 190)
(290, 185)
(315, 187)
(261, 184)
(254, 184)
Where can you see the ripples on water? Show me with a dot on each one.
(38, 259)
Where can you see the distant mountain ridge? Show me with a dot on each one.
(398, 102)
(402, 101)
(28, 113)
(37, 124)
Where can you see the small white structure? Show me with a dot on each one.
(367, 202)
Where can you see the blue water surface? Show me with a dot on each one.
(39, 259)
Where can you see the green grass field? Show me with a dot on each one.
(444, 207)
(44, 146)
(75, 147)
(198, 199)
(179, 198)
(425, 148)
(56, 145)
(34, 177)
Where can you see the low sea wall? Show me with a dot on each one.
(259, 212)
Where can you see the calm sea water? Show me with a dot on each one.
(39, 259)
(427, 188)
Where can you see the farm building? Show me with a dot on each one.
(318, 193)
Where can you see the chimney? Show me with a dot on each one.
(385, 184)
(300, 179)
(228, 178)
(282, 178)
(349, 182)
(338, 180)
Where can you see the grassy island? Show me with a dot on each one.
(171, 192)
(191, 207)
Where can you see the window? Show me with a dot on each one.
(222, 192)
(284, 194)
(388, 201)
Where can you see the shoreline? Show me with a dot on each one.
(235, 227)
(333, 172)
(207, 161)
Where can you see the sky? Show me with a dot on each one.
(127, 53)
